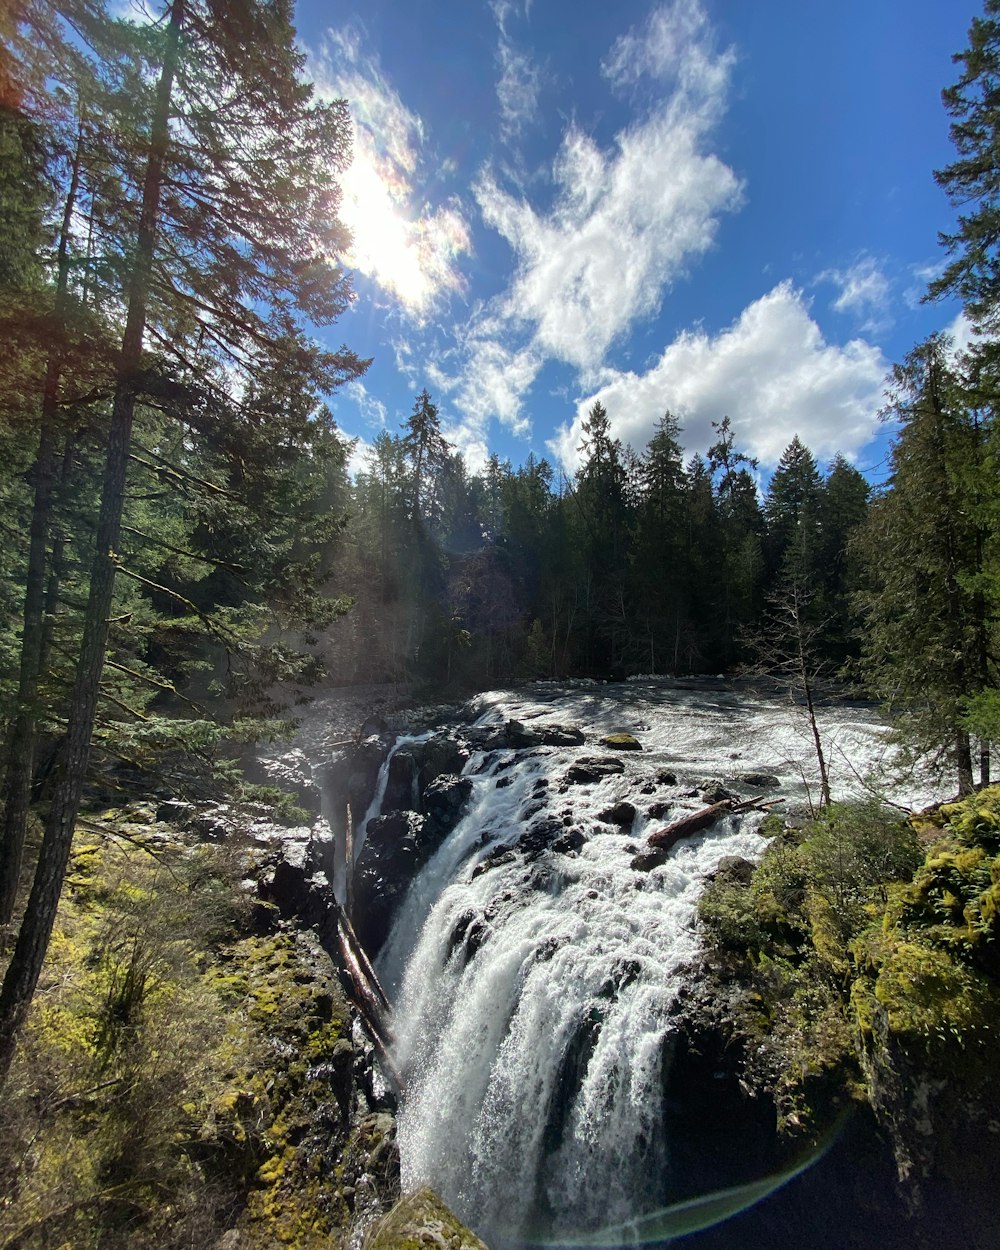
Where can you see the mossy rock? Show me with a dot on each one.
(621, 742)
(420, 1220)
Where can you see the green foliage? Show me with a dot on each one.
(927, 635)
(154, 1104)
(864, 952)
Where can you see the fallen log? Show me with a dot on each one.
(369, 1000)
(661, 841)
(694, 822)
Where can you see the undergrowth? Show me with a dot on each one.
(179, 1074)
(864, 957)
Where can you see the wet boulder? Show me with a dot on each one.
(621, 814)
(549, 833)
(363, 767)
(401, 794)
(760, 781)
(734, 870)
(715, 792)
(545, 735)
(621, 741)
(439, 756)
(590, 768)
(394, 851)
(444, 802)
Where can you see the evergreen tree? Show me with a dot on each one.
(792, 511)
(603, 510)
(843, 509)
(925, 645)
(972, 182)
(658, 566)
(224, 249)
(740, 567)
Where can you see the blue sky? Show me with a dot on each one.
(720, 207)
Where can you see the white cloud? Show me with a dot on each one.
(770, 371)
(405, 244)
(372, 410)
(520, 79)
(676, 45)
(517, 89)
(864, 293)
(624, 225)
(494, 382)
(962, 334)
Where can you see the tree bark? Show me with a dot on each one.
(36, 928)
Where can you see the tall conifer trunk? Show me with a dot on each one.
(23, 732)
(36, 928)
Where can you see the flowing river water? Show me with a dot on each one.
(533, 979)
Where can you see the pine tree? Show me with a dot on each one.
(925, 644)
(235, 224)
(792, 511)
(972, 182)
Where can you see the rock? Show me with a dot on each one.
(735, 869)
(591, 768)
(518, 736)
(570, 842)
(439, 756)
(715, 792)
(658, 811)
(548, 735)
(622, 814)
(363, 767)
(646, 860)
(401, 794)
(321, 849)
(422, 1219)
(549, 833)
(622, 741)
(760, 781)
(396, 846)
(493, 859)
(560, 735)
(444, 801)
(666, 778)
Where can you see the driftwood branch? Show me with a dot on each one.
(662, 841)
(368, 997)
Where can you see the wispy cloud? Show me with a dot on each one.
(676, 45)
(406, 244)
(519, 83)
(864, 292)
(771, 371)
(372, 410)
(626, 222)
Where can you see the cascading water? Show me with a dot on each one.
(381, 785)
(534, 970)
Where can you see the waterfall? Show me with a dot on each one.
(534, 971)
(381, 784)
(533, 991)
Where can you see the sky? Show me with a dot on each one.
(713, 207)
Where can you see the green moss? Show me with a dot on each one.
(866, 967)
(206, 1101)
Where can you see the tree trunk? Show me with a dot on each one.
(21, 742)
(963, 762)
(36, 928)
